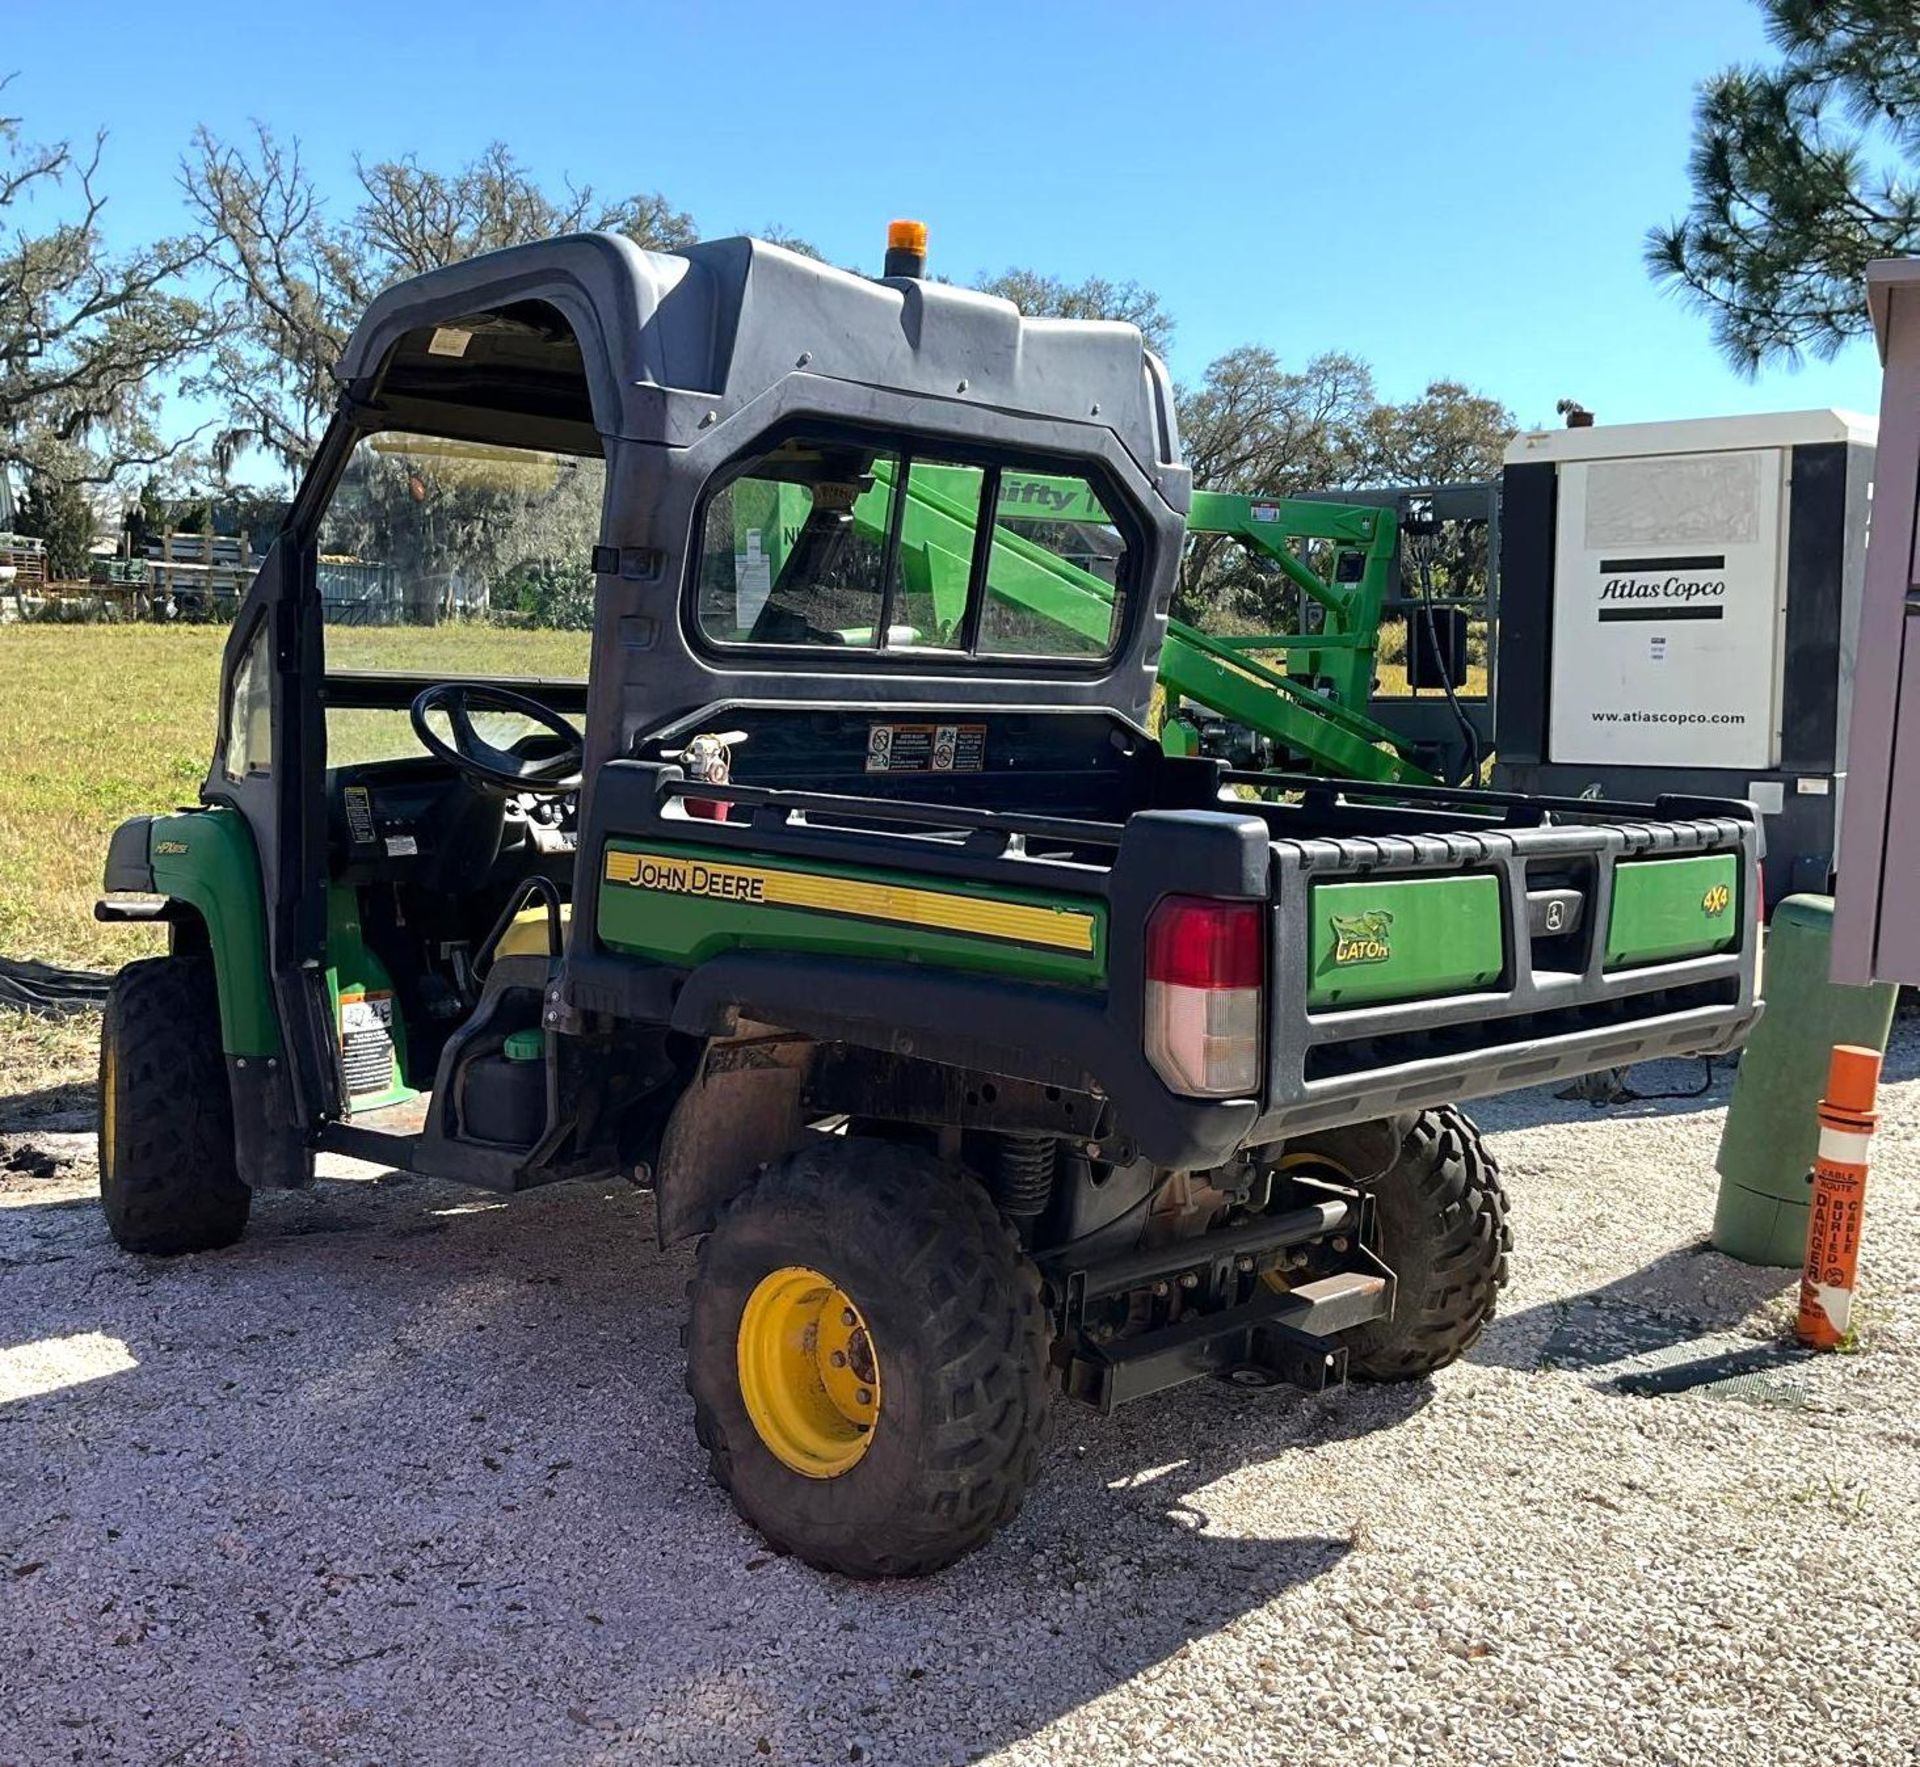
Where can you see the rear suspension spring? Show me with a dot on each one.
(1023, 1177)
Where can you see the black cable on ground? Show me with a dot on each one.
(1700, 1091)
(44, 988)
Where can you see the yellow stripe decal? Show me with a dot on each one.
(941, 910)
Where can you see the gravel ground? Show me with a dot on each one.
(408, 1476)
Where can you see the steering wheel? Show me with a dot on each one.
(478, 759)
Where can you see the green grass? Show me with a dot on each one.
(1393, 682)
(99, 723)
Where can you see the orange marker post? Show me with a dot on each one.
(1847, 1120)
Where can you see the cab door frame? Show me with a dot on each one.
(284, 804)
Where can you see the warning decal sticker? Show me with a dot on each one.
(926, 748)
(366, 1041)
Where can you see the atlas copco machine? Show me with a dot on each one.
(1680, 610)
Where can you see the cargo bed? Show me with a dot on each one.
(1444, 945)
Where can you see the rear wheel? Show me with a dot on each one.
(1441, 1219)
(867, 1355)
(167, 1174)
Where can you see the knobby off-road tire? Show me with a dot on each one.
(167, 1176)
(951, 1310)
(1442, 1221)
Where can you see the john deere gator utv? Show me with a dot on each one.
(838, 893)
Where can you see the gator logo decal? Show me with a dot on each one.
(1362, 938)
(1715, 902)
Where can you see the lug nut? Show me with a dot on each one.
(838, 1358)
(1189, 1280)
(846, 1316)
(865, 1395)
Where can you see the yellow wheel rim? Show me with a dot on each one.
(808, 1372)
(109, 1104)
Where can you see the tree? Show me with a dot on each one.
(87, 336)
(57, 511)
(1049, 297)
(294, 280)
(1448, 435)
(1801, 174)
(146, 517)
(1254, 425)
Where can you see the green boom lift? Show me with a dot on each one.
(1227, 676)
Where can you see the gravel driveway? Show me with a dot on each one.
(408, 1476)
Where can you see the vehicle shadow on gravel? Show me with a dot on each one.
(404, 1423)
(1688, 1294)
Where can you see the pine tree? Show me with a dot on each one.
(58, 511)
(1802, 174)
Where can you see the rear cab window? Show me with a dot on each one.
(825, 544)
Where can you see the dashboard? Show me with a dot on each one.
(417, 821)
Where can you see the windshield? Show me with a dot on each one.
(830, 544)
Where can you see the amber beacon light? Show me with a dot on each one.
(906, 248)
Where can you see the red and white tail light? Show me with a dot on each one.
(1206, 975)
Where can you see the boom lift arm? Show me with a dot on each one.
(1224, 675)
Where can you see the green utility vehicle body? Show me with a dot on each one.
(866, 878)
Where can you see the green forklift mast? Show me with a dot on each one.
(1315, 728)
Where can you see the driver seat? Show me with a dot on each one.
(526, 936)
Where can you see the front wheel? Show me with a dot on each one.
(168, 1181)
(867, 1355)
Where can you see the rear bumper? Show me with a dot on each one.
(1494, 1066)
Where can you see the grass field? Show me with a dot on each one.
(99, 723)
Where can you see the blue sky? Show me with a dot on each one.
(1449, 189)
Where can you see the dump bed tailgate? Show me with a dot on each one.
(1411, 969)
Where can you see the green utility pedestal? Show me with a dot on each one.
(1767, 1146)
